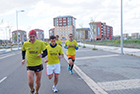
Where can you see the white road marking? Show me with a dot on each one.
(121, 84)
(82, 50)
(6, 56)
(96, 56)
(94, 87)
(3, 79)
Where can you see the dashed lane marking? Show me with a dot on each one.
(3, 79)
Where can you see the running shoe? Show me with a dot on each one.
(68, 68)
(71, 72)
(32, 92)
(54, 89)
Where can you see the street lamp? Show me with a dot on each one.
(122, 28)
(17, 25)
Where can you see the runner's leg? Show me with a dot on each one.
(38, 79)
(30, 75)
(55, 79)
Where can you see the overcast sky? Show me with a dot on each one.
(40, 14)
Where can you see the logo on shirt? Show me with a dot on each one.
(37, 47)
(33, 52)
(29, 48)
(53, 53)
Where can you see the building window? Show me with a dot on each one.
(98, 30)
(60, 18)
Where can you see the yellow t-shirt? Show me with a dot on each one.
(58, 41)
(46, 43)
(32, 50)
(53, 54)
(71, 49)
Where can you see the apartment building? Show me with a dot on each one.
(101, 31)
(134, 35)
(22, 36)
(64, 25)
(125, 36)
(51, 31)
(82, 34)
(40, 34)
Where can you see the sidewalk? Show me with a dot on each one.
(108, 69)
(127, 51)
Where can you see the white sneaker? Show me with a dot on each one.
(54, 89)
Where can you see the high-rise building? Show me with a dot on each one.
(64, 25)
(101, 30)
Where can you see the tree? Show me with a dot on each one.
(15, 37)
(92, 28)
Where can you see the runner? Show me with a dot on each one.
(46, 42)
(53, 61)
(71, 45)
(58, 41)
(33, 49)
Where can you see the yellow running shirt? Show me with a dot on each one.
(58, 41)
(32, 50)
(71, 49)
(53, 54)
(46, 43)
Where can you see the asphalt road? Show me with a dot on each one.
(13, 78)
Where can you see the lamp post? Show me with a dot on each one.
(17, 25)
(122, 28)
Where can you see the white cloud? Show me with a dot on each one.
(41, 13)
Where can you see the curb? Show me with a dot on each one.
(92, 84)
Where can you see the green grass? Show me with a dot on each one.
(130, 43)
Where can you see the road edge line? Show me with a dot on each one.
(92, 84)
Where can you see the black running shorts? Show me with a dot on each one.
(35, 68)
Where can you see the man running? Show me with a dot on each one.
(54, 54)
(71, 45)
(33, 49)
(46, 42)
(58, 41)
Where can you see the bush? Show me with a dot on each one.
(84, 46)
(94, 49)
